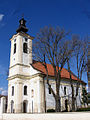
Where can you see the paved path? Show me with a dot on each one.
(49, 116)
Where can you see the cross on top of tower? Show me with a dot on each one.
(22, 26)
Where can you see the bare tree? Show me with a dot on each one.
(72, 86)
(52, 46)
(80, 57)
(81, 60)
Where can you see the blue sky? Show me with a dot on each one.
(72, 15)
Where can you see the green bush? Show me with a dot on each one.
(88, 95)
(83, 109)
(50, 110)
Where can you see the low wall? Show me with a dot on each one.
(2, 105)
(48, 116)
(0, 108)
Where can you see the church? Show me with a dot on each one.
(26, 92)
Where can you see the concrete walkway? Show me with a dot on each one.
(48, 116)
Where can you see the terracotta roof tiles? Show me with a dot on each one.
(64, 73)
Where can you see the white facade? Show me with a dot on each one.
(25, 84)
(50, 101)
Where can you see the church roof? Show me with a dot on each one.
(3, 96)
(64, 73)
(22, 26)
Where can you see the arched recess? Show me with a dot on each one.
(12, 106)
(25, 106)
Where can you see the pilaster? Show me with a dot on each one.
(18, 97)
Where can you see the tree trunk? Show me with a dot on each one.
(58, 104)
(73, 99)
(72, 87)
(44, 96)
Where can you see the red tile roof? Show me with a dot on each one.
(64, 73)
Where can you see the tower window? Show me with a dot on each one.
(26, 39)
(14, 40)
(14, 48)
(25, 90)
(64, 90)
(25, 47)
(12, 90)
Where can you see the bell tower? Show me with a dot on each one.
(20, 60)
(21, 50)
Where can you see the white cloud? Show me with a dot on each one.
(1, 17)
(3, 91)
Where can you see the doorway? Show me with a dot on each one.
(66, 105)
(25, 106)
(12, 106)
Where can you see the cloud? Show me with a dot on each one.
(3, 91)
(1, 17)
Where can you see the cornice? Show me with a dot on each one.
(24, 76)
(20, 65)
(22, 34)
(18, 76)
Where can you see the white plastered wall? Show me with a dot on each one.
(50, 101)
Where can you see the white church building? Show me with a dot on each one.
(25, 81)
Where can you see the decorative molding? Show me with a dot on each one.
(20, 65)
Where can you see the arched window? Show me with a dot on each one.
(32, 93)
(25, 90)
(12, 90)
(25, 47)
(26, 39)
(64, 90)
(50, 90)
(14, 48)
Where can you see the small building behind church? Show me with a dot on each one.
(26, 76)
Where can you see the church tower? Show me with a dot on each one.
(19, 70)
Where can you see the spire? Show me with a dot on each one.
(22, 26)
